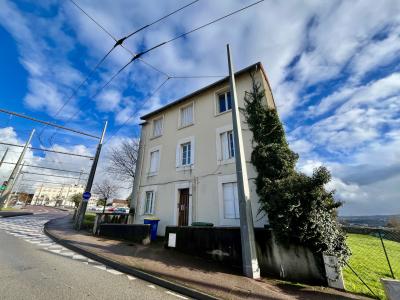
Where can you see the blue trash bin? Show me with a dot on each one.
(153, 222)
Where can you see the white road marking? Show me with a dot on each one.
(114, 272)
(176, 295)
(101, 267)
(131, 277)
(151, 286)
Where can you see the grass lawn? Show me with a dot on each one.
(369, 261)
(88, 222)
(8, 209)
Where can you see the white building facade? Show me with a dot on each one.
(56, 195)
(186, 168)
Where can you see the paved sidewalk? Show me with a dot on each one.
(194, 273)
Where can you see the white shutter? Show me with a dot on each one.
(154, 160)
(178, 155)
(224, 146)
(153, 202)
(157, 127)
(229, 198)
(236, 200)
(187, 115)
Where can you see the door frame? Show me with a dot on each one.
(179, 186)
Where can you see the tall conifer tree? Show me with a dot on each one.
(299, 208)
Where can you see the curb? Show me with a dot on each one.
(131, 270)
(10, 214)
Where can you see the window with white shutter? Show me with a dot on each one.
(154, 162)
(224, 102)
(186, 115)
(227, 145)
(231, 202)
(149, 203)
(186, 154)
(157, 127)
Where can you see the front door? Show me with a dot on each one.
(183, 207)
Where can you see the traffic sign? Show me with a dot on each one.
(86, 195)
(4, 185)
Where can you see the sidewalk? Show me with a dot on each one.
(189, 275)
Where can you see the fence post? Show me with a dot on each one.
(387, 258)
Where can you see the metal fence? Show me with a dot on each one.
(375, 255)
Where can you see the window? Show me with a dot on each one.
(186, 154)
(231, 202)
(227, 145)
(154, 161)
(157, 127)
(186, 115)
(224, 102)
(149, 203)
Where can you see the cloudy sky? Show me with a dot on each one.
(333, 66)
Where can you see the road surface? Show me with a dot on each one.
(32, 266)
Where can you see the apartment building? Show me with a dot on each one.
(186, 168)
(56, 195)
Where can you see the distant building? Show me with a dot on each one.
(119, 203)
(57, 196)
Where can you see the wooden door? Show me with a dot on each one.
(183, 207)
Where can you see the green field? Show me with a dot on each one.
(369, 261)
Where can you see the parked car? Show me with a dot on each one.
(110, 209)
(122, 210)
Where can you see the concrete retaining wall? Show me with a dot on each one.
(223, 244)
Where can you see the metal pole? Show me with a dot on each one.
(387, 258)
(83, 205)
(14, 184)
(13, 175)
(4, 156)
(249, 253)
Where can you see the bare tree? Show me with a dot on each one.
(106, 190)
(122, 160)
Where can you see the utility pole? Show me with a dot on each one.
(14, 173)
(249, 253)
(83, 205)
(4, 156)
(19, 172)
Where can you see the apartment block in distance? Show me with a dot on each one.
(186, 168)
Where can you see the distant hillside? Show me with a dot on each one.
(370, 221)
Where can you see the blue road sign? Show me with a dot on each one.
(86, 195)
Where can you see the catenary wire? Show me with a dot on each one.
(117, 43)
(143, 103)
(138, 55)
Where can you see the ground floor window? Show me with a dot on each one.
(231, 202)
(149, 203)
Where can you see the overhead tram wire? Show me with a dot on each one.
(52, 175)
(48, 168)
(138, 55)
(117, 43)
(143, 103)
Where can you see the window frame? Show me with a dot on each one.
(222, 220)
(235, 201)
(181, 108)
(179, 154)
(219, 92)
(152, 150)
(219, 147)
(161, 118)
(151, 209)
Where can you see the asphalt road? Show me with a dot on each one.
(34, 267)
